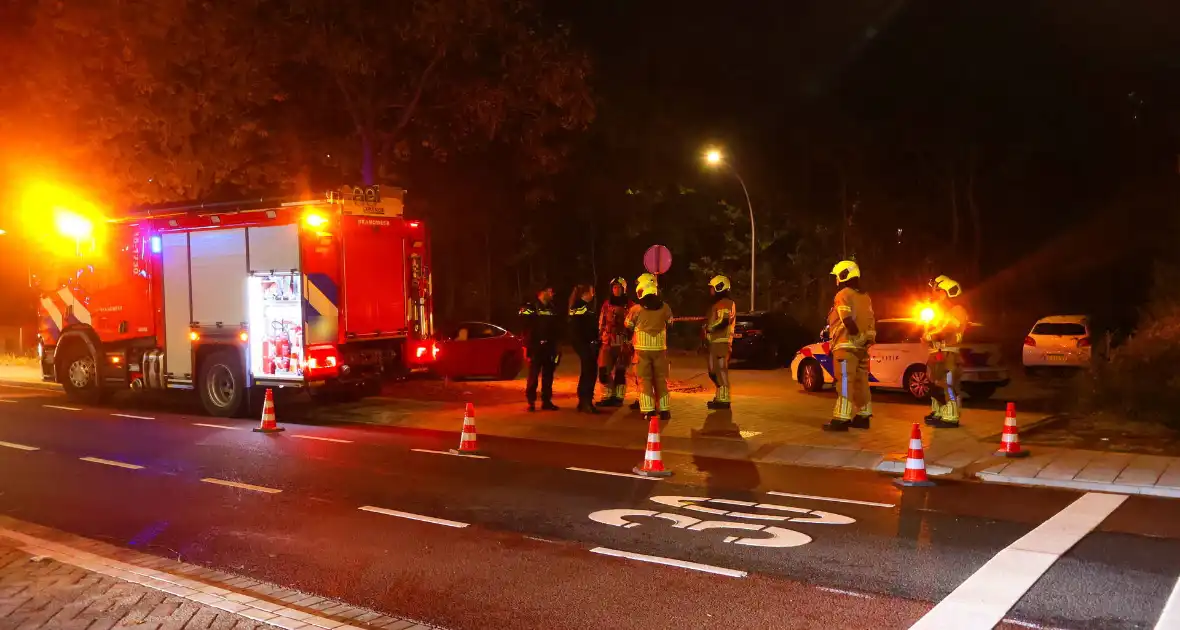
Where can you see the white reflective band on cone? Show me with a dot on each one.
(1008, 438)
(915, 464)
(653, 437)
(915, 444)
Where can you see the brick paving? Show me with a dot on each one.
(53, 580)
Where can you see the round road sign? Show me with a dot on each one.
(657, 259)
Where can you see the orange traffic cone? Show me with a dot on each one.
(468, 439)
(268, 424)
(653, 464)
(915, 462)
(1010, 439)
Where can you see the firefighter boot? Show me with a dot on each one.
(635, 406)
(950, 416)
(531, 408)
(836, 424)
(665, 415)
(548, 406)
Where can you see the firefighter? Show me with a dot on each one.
(646, 279)
(852, 330)
(614, 355)
(719, 325)
(584, 334)
(943, 364)
(542, 330)
(649, 321)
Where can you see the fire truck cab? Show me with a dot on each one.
(228, 298)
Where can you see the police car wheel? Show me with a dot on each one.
(917, 383)
(811, 376)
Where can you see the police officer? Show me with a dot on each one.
(614, 354)
(542, 324)
(719, 324)
(584, 335)
(943, 364)
(649, 320)
(852, 329)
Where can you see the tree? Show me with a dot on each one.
(144, 100)
(434, 76)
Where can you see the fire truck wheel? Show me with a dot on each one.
(79, 377)
(222, 385)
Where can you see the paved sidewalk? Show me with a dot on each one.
(53, 580)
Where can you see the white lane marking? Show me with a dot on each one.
(110, 462)
(243, 486)
(671, 562)
(837, 500)
(1170, 617)
(19, 447)
(3, 400)
(413, 517)
(426, 450)
(215, 426)
(125, 415)
(983, 599)
(322, 439)
(844, 592)
(612, 473)
(62, 408)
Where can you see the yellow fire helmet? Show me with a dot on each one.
(646, 290)
(646, 278)
(846, 270)
(947, 285)
(720, 283)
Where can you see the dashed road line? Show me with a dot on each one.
(844, 592)
(216, 426)
(111, 462)
(242, 486)
(467, 455)
(322, 439)
(5, 400)
(983, 599)
(671, 562)
(1170, 617)
(612, 473)
(62, 408)
(413, 517)
(127, 415)
(833, 499)
(19, 447)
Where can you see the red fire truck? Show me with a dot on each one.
(227, 298)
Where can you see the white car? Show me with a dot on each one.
(1058, 341)
(898, 361)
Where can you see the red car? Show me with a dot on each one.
(478, 349)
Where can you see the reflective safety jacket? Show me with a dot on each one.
(945, 333)
(542, 324)
(720, 321)
(857, 306)
(612, 321)
(650, 320)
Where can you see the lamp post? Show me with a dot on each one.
(715, 158)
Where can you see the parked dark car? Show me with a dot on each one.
(767, 339)
(478, 349)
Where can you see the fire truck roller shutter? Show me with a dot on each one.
(217, 260)
(178, 358)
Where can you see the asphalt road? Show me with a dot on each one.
(509, 541)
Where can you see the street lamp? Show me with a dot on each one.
(714, 158)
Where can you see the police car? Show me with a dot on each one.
(898, 361)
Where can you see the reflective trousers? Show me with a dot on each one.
(612, 370)
(945, 370)
(652, 367)
(719, 369)
(851, 372)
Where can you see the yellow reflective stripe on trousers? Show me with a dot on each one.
(646, 341)
(722, 340)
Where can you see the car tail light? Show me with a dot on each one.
(1084, 342)
(752, 331)
(434, 351)
(1030, 342)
